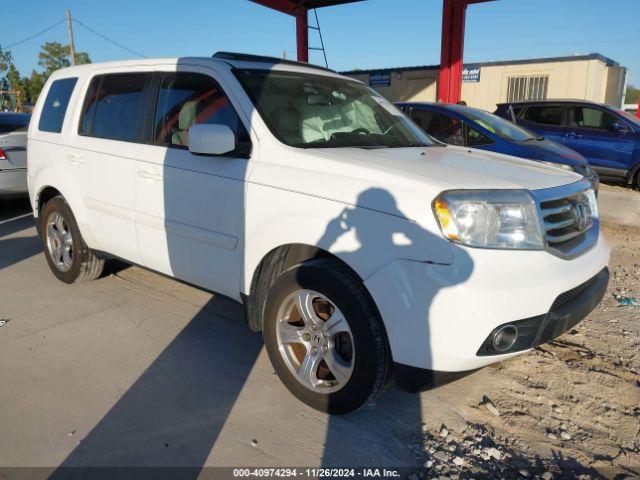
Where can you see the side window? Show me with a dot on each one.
(185, 99)
(446, 129)
(476, 139)
(114, 107)
(55, 105)
(422, 118)
(544, 114)
(585, 117)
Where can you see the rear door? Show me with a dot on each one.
(590, 132)
(102, 156)
(545, 119)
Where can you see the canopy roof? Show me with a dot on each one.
(293, 6)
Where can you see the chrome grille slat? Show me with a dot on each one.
(565, 237)
(559, 224)
(555, 211)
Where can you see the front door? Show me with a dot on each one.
(189, 209)
(589, 132)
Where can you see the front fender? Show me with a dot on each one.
(364, 239)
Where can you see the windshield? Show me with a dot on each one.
(629, 116)
(318, 111)
(499, 126)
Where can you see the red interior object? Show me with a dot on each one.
(3, 156)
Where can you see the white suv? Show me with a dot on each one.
(363, 249)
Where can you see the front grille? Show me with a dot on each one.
(568, 222)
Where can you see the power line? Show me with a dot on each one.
(104, 37)
(6, 47)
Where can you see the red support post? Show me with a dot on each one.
(453, 21)
(302, 34)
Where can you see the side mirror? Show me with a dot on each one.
(206, 139)
(618, 127)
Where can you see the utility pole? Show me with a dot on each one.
(72, 47)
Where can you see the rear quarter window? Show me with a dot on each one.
(55, 105)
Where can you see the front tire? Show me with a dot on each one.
(325, 338)
(68, 256)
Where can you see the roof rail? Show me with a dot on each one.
(245, 57)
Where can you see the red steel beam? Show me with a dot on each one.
(452, 47)
(302, 35)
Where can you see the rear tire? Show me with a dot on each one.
(68, 256)
(340, 339)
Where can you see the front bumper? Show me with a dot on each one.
(438, 317)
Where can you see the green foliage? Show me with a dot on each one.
(52, 56)
(632, 94)
(5, 60)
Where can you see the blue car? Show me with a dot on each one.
(470, 127)
(607, 137)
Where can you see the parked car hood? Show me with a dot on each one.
(550, 152)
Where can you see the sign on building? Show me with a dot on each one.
(380, 80)
(471, 74)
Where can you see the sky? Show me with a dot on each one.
(369, 34)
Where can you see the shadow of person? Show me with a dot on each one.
(376, 436)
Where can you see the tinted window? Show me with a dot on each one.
(584, 117)
(55, 105)
(544, 114)
(443, 127)
(475, 138)
(114, 107)
(185, 99)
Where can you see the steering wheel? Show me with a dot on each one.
(360, 131)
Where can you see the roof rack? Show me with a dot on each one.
(245, 57)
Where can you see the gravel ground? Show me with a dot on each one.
(569, 409)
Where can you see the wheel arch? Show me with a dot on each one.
(276, 261)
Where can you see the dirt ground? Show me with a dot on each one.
(570, 409)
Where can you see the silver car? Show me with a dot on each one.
(13, 153)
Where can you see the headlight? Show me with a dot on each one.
(489, 218)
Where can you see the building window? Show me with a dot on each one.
(527, 88)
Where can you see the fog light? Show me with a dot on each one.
(504, 338)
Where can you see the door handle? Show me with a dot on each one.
(78, 160)
(575, 135)
(156, 177)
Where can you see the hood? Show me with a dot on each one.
(549, 151)
(450, 167)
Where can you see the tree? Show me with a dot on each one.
(632, 95)
(54, 55)
(5, 60)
